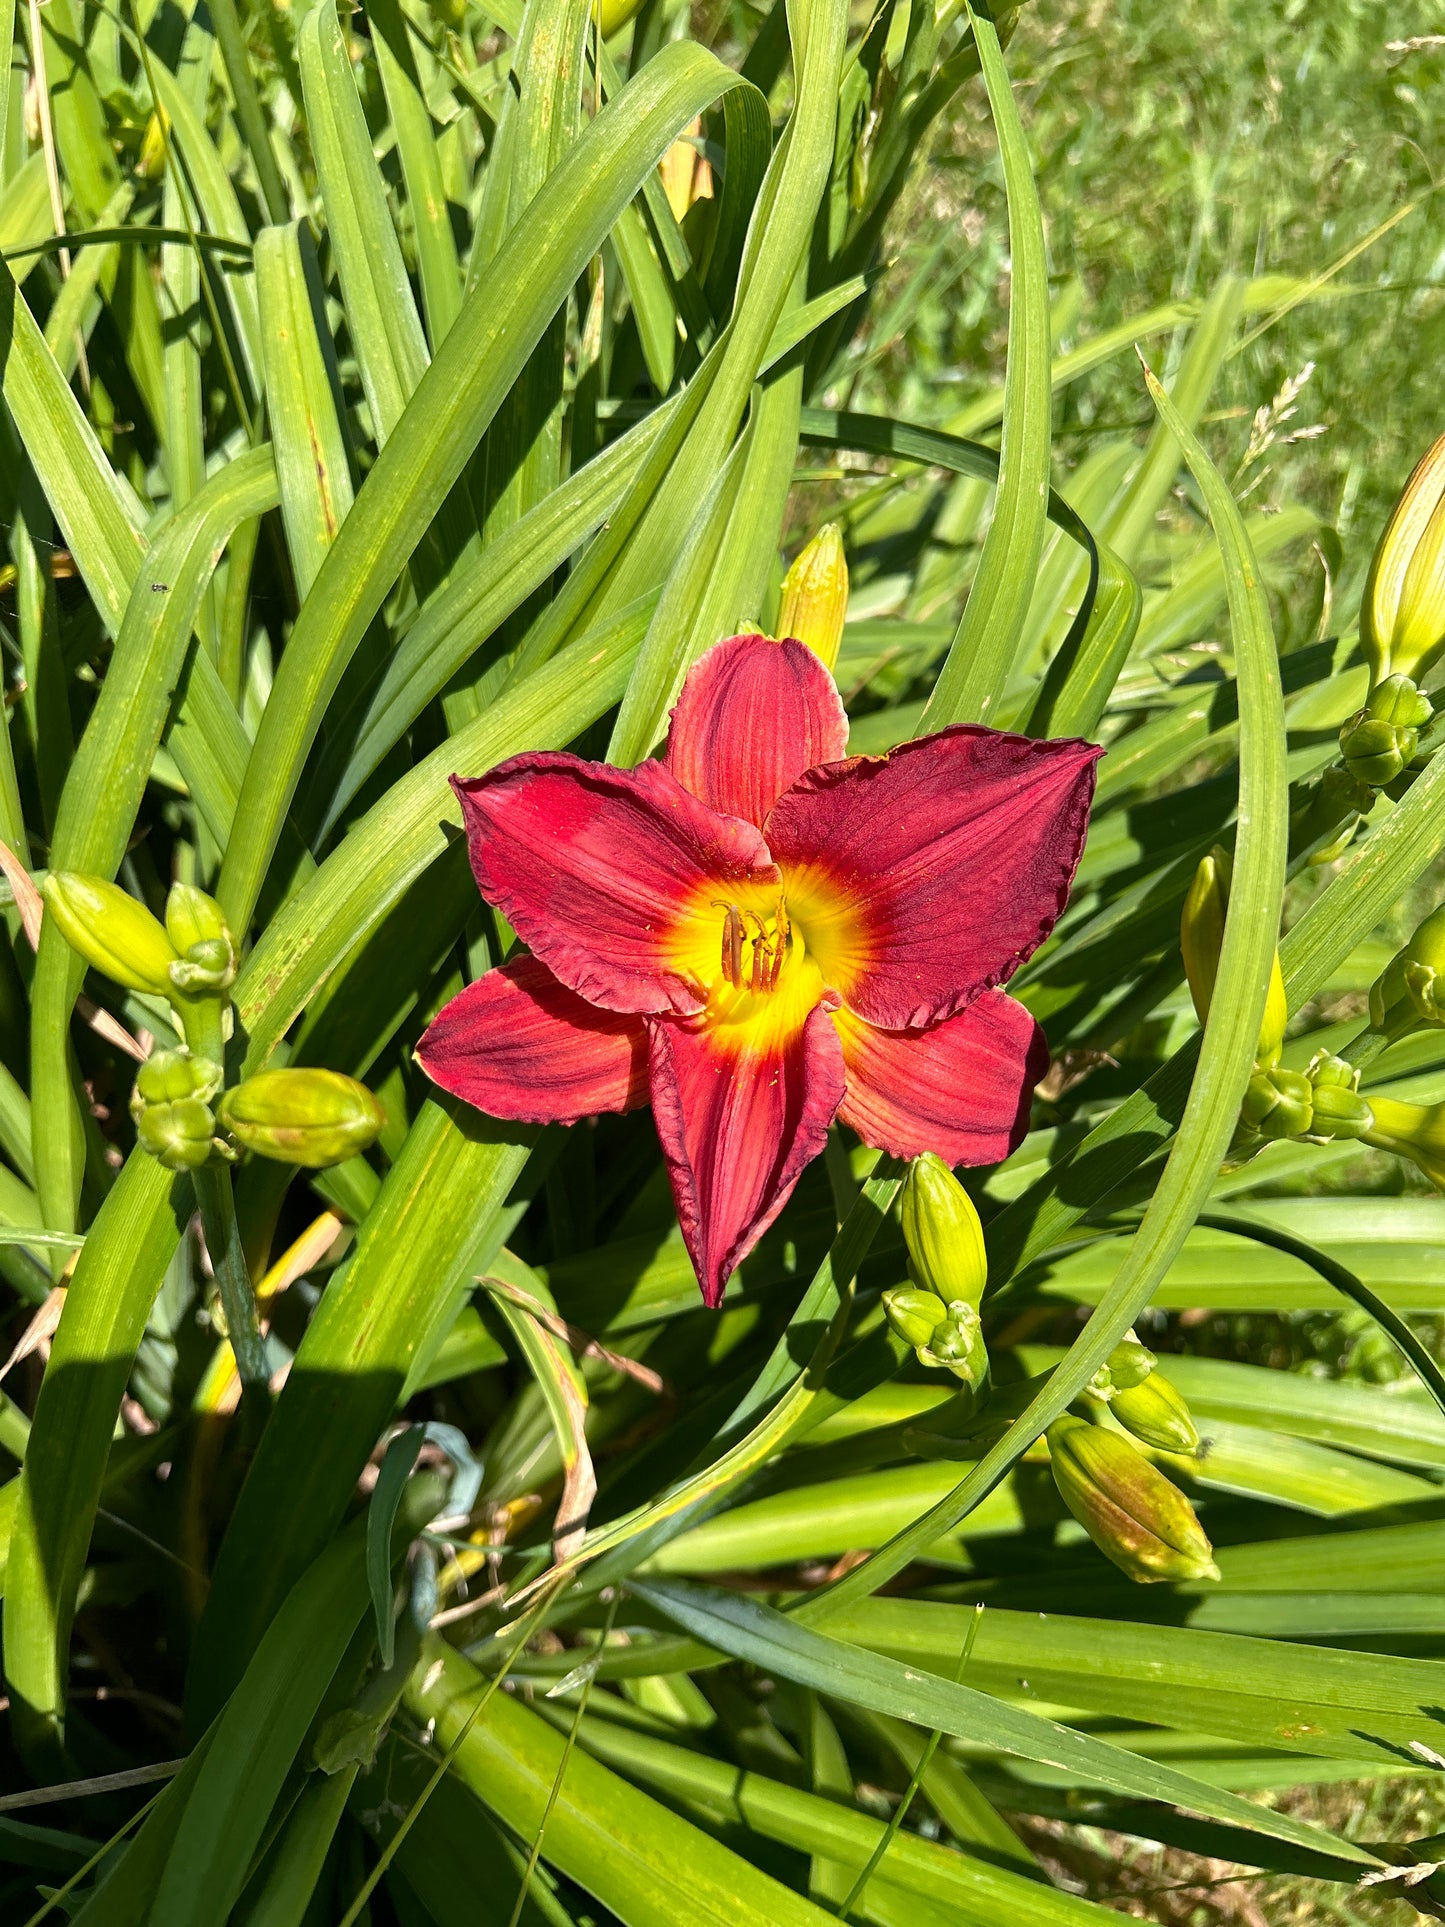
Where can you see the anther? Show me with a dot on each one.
(732, 944)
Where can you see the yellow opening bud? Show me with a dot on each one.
(815, 594)
(1133, 1514)
(309, 1117)
(613, 15)
(944, 1237)
(1201, 937)
(1402, 616)
(116, 935)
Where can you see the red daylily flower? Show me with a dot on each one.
(760, 933)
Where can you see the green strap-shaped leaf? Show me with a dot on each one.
(1081, 678)
(436, 249)
(1230, 1036)
(312, 468)
(777, 240)
(474, 369)
(650, 1867)
(776, 1643)
(977, 668)
(386, 330)
(460, 617)
(395, 1470)
(218, 213)
(109, 1300)
(971, 1892)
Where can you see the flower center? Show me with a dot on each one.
(754, 947)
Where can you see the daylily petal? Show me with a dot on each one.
(962, 1089)
(921, 878)
(752, 716)
(518, 1044)
(738, 1120)
(611, 876)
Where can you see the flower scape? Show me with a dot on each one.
(757, 934)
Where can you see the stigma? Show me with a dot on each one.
(754, 947)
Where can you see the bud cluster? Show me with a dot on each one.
(1147, 1404)
(939, 1315)
(307, 1117)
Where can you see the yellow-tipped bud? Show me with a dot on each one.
(613, 15)
(1402, 617)
(944, 1237)
(686, 173)
(1133, 1514)
(151, 161)
(309, 1117)
(116, 935)
(1201, 938)
(815, 595)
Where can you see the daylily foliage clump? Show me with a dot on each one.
(757, 934)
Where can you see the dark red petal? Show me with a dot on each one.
(518, 1044)
(962, 1089)
(752, 716)
(609, 875)
(737, 1128)
(921, 878)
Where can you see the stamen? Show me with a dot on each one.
(732, 943)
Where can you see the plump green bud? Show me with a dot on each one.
(181, 1136)
(1129, 1364)
(1133, 1514)
(957, 1345)
(913, 1315)
(116, 935)
(308, 1117)
(206, 950)
(151, 160)
(171, 1108)
(613, 15)
(1379, 741)
(1155, 1411)
(169, 1076)
(815, 595)
(1339, 1110)
(1402, 616)
(1278, 1103)
(1411, 990)
(1201, 938)
(1413, 1131)
(944, 1237)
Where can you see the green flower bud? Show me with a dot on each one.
(116, 935)
(1278, 1103)
(815, 595)
(957, 1345)
(1402, 617)
(1411, 990)
(151, 160)
(1155, 1411)
(944, 1237)
(913, 1315)
(171, 1108)
(613, 15)
(1201, 938)
(1133, 1514)
(1339, 1110)
(1379, 741)
(1129, 1364)
(171, 1076)
(181, 1136)
(309, 1117)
